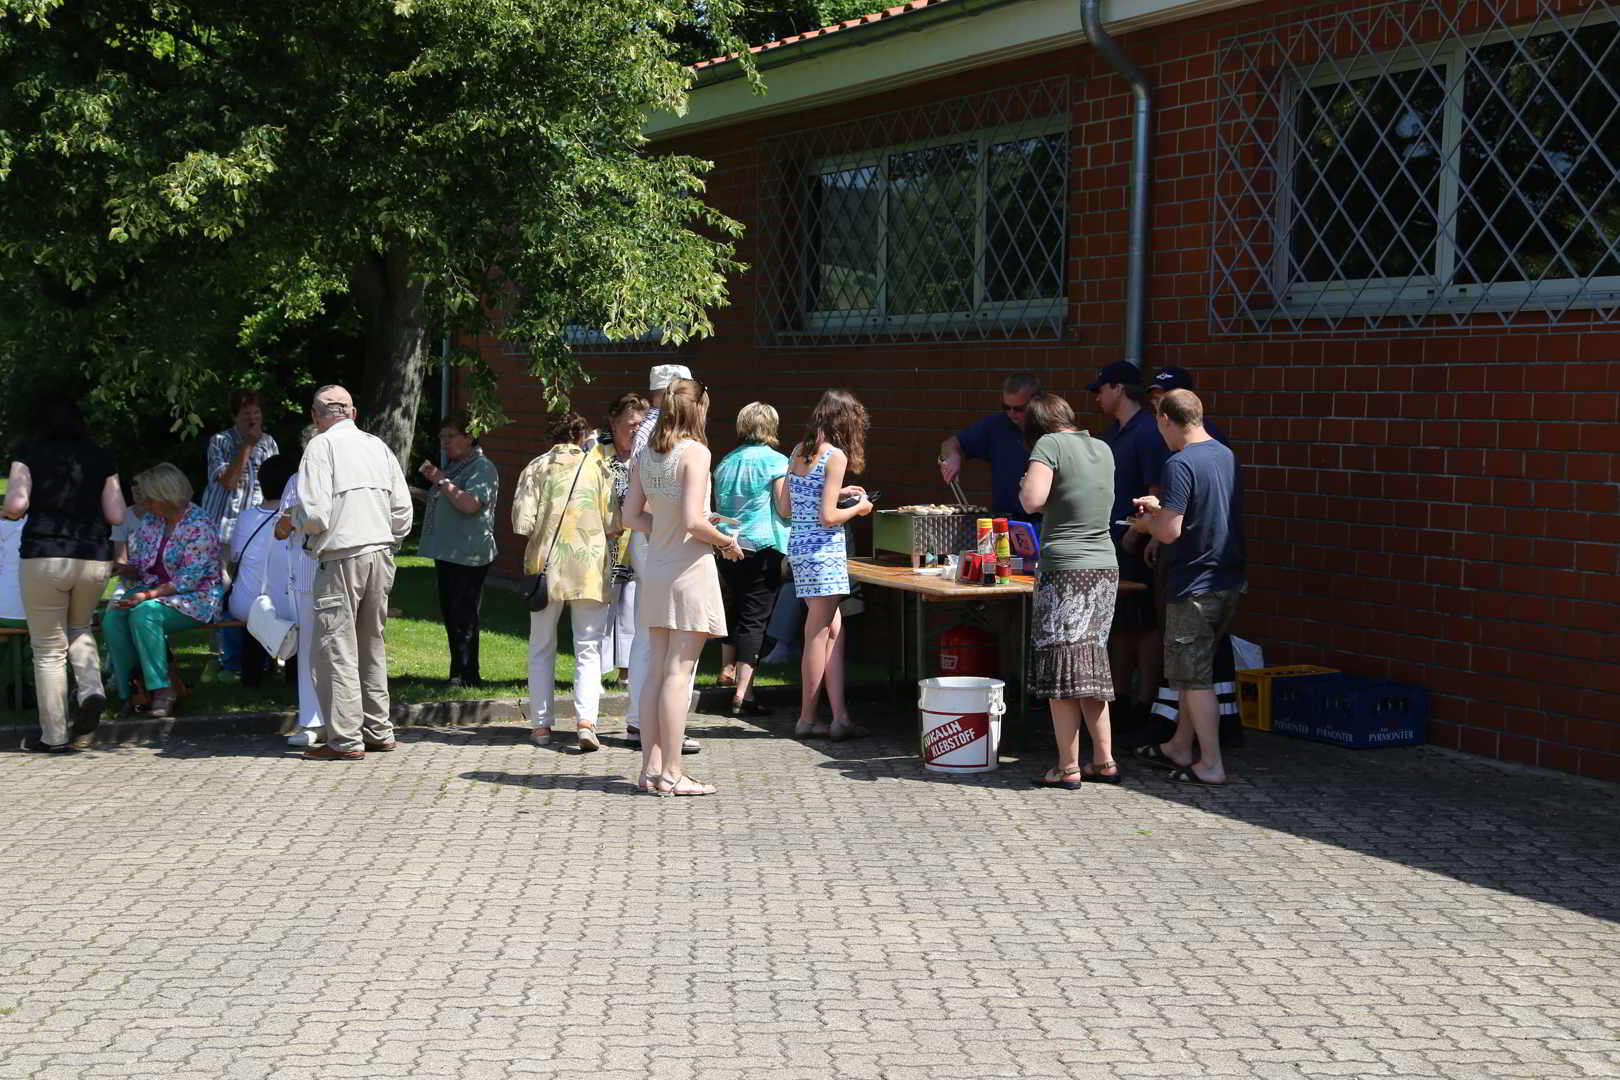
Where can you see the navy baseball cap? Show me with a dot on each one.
(1120, 371)
(1171, 377)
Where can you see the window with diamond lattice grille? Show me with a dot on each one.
(926, 225)
(1425, 164)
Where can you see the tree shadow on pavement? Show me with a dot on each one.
(1530, 832)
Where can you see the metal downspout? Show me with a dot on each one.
(1141, 175)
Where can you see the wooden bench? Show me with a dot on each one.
(15, 636)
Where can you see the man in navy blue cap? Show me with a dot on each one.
(1135, 644)
(1170, 378)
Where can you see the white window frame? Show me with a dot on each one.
(878, 320)
(1438, 293)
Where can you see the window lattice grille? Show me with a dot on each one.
(945, 222)
(1420, 164)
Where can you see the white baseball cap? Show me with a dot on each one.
(664, 374)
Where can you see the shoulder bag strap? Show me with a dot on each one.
(562, 513)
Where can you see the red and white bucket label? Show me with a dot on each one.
(952, 741)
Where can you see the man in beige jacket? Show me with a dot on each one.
(354, 509)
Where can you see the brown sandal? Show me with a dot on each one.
(1093, 772)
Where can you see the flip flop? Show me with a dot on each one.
(1187, 776)
(1154, 755)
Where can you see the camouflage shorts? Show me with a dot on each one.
(1192, 626)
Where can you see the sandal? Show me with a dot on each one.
(1062, 780)
(1187, 776)
(694, 787)
(647, 783)
(1093, 772)
(1154, 754)
(746, 707)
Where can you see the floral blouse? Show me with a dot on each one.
(579, 567)
(192, 560)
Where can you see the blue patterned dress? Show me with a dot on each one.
(820, 563)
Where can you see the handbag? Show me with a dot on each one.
(539, 589)
(278, 636)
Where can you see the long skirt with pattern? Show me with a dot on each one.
(1073, 610)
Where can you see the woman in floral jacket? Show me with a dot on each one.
(567, 537)
(174, 560)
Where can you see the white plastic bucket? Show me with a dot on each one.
(961, 723)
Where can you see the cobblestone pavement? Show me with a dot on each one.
(474, 907)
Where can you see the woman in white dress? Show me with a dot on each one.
(679, 603)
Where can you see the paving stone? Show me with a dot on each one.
(473, 907)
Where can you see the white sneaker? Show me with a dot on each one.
(588, 742)
(305, 737)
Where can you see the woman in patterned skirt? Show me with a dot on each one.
(834, 445)
(1071, 481)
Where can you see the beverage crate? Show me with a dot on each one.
(1255, 688)
(1350, 711)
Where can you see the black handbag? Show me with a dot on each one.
(539, 590)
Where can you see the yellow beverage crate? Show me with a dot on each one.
(1254, 691)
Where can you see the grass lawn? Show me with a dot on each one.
(418, 656)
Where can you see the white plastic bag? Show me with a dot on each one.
(1246, 655)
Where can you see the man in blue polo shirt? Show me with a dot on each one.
(1136, 641)
(998, 439)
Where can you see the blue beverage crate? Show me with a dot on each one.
(1347, 710)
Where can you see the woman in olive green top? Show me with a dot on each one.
(458, 534)
(1070, 480)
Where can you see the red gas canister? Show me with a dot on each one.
(967, 650)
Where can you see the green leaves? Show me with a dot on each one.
(189, 186)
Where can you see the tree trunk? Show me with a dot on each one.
(389, 297)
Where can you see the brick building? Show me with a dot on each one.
(1386, 239)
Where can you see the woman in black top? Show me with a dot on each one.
(68, 488)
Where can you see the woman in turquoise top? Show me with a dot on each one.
(458, 534)
(745, 484)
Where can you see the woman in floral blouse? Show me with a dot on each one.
(174, 559)
(564, 505)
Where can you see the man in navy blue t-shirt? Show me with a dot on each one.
(1199, 520)
(998, 439)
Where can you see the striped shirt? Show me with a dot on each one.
(221, 506)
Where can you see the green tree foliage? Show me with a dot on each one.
(761, 21)
(191, 185)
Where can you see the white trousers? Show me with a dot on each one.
(640, 646)
(589, 621)
(309, 706)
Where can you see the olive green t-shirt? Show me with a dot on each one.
(1074, 529)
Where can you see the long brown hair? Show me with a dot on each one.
(839, 418)
(685, 413)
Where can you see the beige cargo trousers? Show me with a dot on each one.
(351, 658)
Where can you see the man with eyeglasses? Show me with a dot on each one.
(998, 439)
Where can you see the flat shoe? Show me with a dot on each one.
(588, 742)
(746, 708)
(1187, 776)
(381, 747)
(87, 717)
(1153, 754)
(685, 786)
(540, 736)
(844, 734)
(326, 753)
(1093, 776)
(1062, 782)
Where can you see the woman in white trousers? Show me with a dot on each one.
(296, 601)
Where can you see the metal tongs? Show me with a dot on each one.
(956, 489)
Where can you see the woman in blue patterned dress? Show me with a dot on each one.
(834, 445)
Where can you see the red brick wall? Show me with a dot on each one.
(1441, 509)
